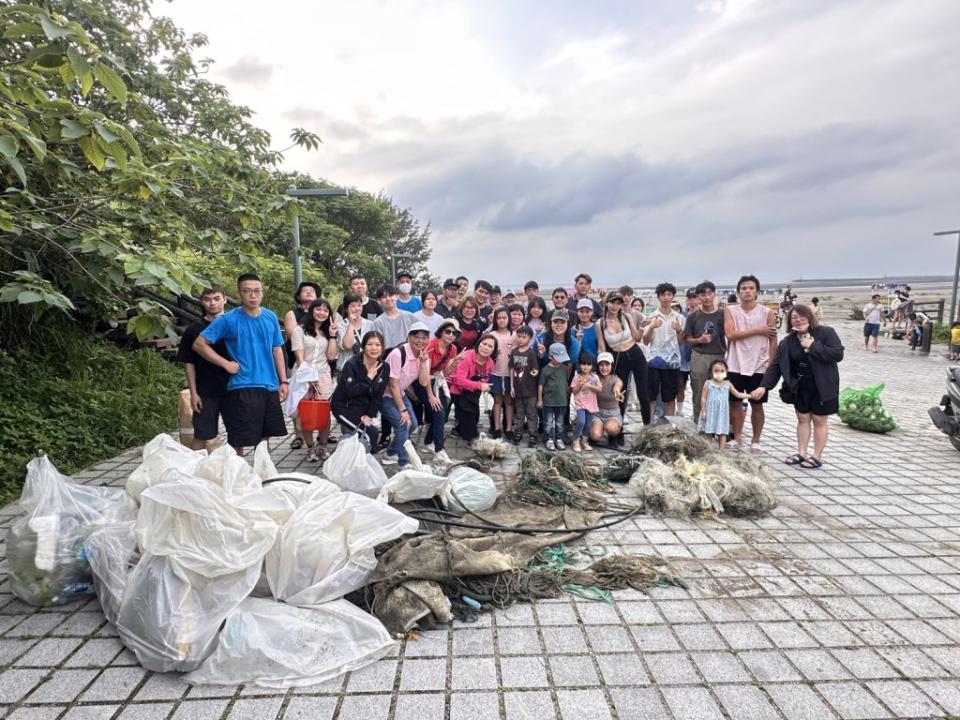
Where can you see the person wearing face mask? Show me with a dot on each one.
(715, 403)
(406, 301)
(807, 361)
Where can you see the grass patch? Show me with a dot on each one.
(81, 401)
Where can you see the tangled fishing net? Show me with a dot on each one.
(559, 479)
(489, 448)
(554, 571)
(712, 484)
(667, 442)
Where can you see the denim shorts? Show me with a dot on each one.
(499, 385)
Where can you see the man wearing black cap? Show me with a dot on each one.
(449, 303)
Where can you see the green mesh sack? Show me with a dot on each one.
(862, 410)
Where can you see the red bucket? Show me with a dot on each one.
(314, 415)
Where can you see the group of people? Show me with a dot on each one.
(561, 373)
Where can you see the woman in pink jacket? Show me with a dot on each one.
(471, 378)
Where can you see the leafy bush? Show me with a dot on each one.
(80, 402)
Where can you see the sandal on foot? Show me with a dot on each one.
(755, 448)
(811, 463)
(296, 443)
(797, 459)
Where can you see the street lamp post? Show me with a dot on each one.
(393, 265)
(307, 193)
(956, 274)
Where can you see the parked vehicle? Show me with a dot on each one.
(946, 416)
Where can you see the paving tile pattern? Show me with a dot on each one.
(844, 603)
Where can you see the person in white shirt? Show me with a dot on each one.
(664, 335)
(872, 315)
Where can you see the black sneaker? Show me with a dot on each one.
(496, 434)
(532, 442)
(517, 437)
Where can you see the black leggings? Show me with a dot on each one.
(633, 362)
(468, 414)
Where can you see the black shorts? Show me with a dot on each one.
(252, 414)
(662, 383)
(684, 377)
(206, 423)
(747, 384)
(807, 400)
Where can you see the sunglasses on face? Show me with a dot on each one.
(449, 331)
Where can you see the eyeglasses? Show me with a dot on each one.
(449, 331)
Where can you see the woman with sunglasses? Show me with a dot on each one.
(435, 397)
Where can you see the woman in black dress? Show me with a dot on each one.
(807, 361)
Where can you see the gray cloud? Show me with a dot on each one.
(249, 69)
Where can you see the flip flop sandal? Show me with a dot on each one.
(811, 463)
(296, 443)
(797, 459)
(755, 448)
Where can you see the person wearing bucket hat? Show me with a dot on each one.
(435, 396)
(552, 395)
(608, 403)
(408, 364)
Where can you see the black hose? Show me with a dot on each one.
(522, 530)
(286, 479)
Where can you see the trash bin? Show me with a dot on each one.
(927, 337)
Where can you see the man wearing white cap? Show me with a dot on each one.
(408, 363)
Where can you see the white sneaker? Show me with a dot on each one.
(560, 445)
(575, 445)
(388, 459)
(442, 457)
(425, 449)
(551, 445)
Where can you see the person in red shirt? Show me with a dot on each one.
(444, 357)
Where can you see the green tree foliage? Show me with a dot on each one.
(121, 166)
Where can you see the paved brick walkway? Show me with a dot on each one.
(845, 603)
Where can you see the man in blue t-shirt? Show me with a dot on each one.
(258, 382)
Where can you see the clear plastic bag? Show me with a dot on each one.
(112, 553)
(352, 468)
(408, 485)
(159, 455)
(169, 617)
(325, 550)
(274, 645)
(472, 489)
(45, 548)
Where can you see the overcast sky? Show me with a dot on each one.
(637, 140)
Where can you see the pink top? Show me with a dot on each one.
(587, 399)
(411, 367)
(749, 355)
(462, 379)
(505, 343)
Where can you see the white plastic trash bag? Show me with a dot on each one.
(45, 556)
(325, 550)
(300, 382)
(224, 468)
(470, 489)
(195, 522)
(408, 485)
(273, 645)
(112, 553)
(352, 468)
(159, 455)
(169, 616)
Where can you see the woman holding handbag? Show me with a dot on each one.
(314, 342)
(807, 361)
(363, 380)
